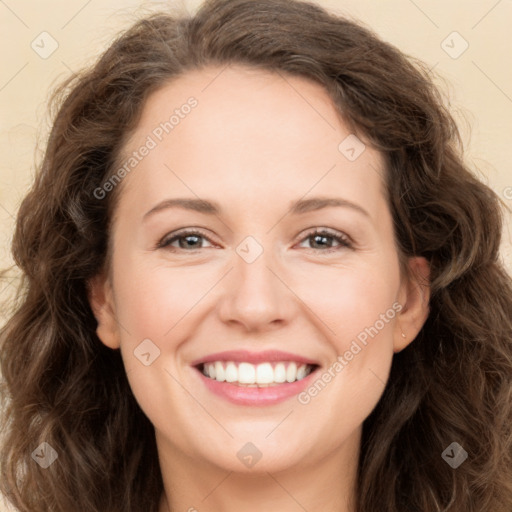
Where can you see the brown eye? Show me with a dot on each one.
(187, 240)
(323, 240)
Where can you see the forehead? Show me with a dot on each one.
(250, 134)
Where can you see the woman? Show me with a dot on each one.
(258, 275)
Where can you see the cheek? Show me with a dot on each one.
(355, 309)
(344, 302)
(159, 304)
(153, 299)
(359, 309)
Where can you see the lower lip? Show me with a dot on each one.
(243, 395)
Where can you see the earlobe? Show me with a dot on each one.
(415, 294)
(99, 292)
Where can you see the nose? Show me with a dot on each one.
(255, 294)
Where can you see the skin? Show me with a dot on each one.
(255, 142)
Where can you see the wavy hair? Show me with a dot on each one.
(62, 386)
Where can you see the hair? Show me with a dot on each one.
(62, 386)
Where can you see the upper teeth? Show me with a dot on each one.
(264, 373)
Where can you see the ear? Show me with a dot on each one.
(101, 299)
(414, 297)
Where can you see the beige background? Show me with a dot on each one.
(478, 81)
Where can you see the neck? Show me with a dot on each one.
(327, 484)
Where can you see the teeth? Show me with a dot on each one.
(219, 373)
(280, 373)
(301, 372)
(291, 372)
(231, 372)
(246, 373)
(264, 374)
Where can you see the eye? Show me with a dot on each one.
(190, 239)
(323, 239)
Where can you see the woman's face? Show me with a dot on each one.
(258, 161)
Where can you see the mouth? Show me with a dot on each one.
(260, 375)
(264, 378)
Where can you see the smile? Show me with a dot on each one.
(260, 375)
(255, 378)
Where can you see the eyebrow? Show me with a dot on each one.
(298, 207)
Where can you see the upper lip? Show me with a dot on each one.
(253, 357)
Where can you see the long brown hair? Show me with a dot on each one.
(453, 384)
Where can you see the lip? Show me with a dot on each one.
(254, 396)
(240, 356)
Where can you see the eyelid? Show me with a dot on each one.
(344, 240)
(171, 237)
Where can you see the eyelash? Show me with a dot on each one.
(343, 240)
